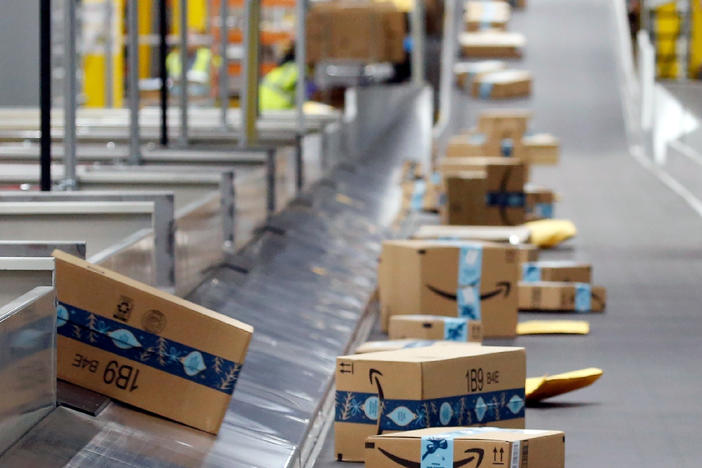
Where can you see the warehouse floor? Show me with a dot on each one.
(643, 241)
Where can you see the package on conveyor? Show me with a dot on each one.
(466, 71)
(484, 15)
(367, 31)
(461, 384)
(502, 84)
(435, 327)
(539, 202)
(561, 296)
(469, 279)
(147, 348)
(483, 191)
(421, 194)
(492, 44)
(542, 148)
(500, 132)
(566, 271)
(467, 447)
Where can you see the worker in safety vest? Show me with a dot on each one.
(200, 62)
(277, 88)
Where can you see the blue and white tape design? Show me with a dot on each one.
(583, 297)
(485, 89)
(455, 329)
(147, 348)
(543, 210)
(470, 266)
(417, 199)
(531, 272)
(506, 199)
(480, 408)
(405, 415)
(437, 449)
(507, 147)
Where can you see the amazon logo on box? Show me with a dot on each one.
(465, 279)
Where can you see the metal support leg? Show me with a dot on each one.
(249, 91)
(109, 46)
(448, 59)
(133, 66)
(184, 72)
(228, 205)
(69, 95)
(418, 33)
(299, 165)
(224, 65)
(270, 182)
(300, 59)
(162, 71)
(45, 91)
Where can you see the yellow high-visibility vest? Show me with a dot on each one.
(277, 89)
(203, 59)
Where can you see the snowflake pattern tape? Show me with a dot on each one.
(404, 415)
(507, 199)
(146, 348)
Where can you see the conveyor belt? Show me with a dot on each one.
(643, 241)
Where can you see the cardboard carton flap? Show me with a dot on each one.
(472, 433)
(434, 353)
(70, 259)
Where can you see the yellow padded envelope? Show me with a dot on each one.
(550, 232)
(553, 327)
(540, 388)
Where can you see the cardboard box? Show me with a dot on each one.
(421, 194)
(485, 15)
(558, 296)
(542, 148)
(144, 347)
(509, 234)
(502, 84)
(460, 384)
(355, 30)
(469, 279)
(393, 345)
(492, 44)
(483, 447)
(504, 123)
(562, 271)
(465, 71)
(496, 199)
(527, 253)
(470, 144)
(435, 327)
(539, 202)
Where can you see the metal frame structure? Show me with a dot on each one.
(162, 221)
(40, 249)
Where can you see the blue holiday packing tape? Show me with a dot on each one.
(543, 210)
(405, 415)
(484, 89)
(583, 297)
(506, 199)
(437, 449)
(147, 348)
(455, 329)
(417, 199)
(507, 147)
(470, 265)
(531, 272)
